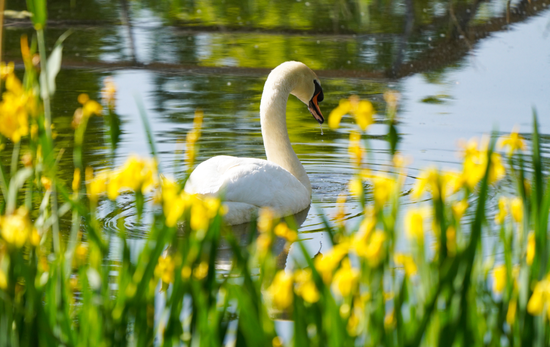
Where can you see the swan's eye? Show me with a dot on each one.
(318, 91)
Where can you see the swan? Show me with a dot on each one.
(280, 182)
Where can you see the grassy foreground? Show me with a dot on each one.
(450, 286)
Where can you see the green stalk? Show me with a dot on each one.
(48, 126)
(3, 183)
(46, 95)
(15, 157)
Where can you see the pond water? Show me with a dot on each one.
(462, 71)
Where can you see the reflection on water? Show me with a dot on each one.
(482, 63)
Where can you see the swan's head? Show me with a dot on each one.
(305, 85)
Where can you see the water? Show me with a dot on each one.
(454, 82)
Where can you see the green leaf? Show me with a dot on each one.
(53, 66)
(17, 181)
(538, 184)
(148, 130)
(393, 138)
(39, 13)
(114, 129)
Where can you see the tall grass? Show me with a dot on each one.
(67, 287)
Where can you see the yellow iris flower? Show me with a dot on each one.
(499, 278)
(514, 142)
(362, 111)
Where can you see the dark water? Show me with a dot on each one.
(462, 70)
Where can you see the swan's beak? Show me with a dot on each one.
(314, 109)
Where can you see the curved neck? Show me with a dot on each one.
(274, 132)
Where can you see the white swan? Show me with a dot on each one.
(280, 182)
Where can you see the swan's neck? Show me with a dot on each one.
(274, 131)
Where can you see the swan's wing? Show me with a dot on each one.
(251, 181)
(208, 177)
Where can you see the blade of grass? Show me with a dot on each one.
(148, 131)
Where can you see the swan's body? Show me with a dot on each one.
(280, 182)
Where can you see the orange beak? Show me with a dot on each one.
(314, 109)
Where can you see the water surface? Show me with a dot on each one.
(463, 70)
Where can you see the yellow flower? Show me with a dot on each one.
(46, 182)
(173, 201)
(428, 180)
(202, 211)
(109, 92)
(136, 174)
(475, 162)
(265, 219)
(363, 114)
(502, 210)
(459, 208)
(365, 229)
(473, 171)
(362, 110)
(3, 279)
(516, 209)
(305, 287)
(76, 179)
(513, 141)
(277, 342)
(451, 241)
(191, 152)
(340, 210)
(511, 314)
(191, 140)
(96, 186)
(540, 297)
(165, 269)
(414, 223)
(186, 272)
(26, 159)
(35, 237)
(282, 230)
(16, 228)
(356, 186)
(263, 243)
(326, 264)
(199, 216)
(373, 249)
(197, 120)
(497, 171)
(345, 279)
(336, 115)
(280, 290)
(353, 324)
(407, 262)
(81, 252)
(499, 278)
(201, 271)
(92, 107)
(391, 97)
(385, 188)
(389, 320)
(451, 181)
(83, 98)
(6, 69)
(470, 149)
(355, 149)
(15, 107)
(530, 248)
